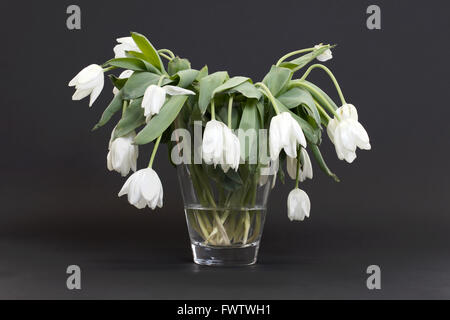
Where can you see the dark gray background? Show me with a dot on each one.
(59, 204)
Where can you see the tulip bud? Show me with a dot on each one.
(327, 55)
(298, 204)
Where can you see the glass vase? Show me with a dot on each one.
(225, 212)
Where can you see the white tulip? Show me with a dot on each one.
(327, 55)
(88, 81)
(144, 189)
(298, 205)
(285, 133)
(347, 133)
(213, 142)
(123, 154)
(221, 146)
(124, 75)
(231, 151)
(155, 96)
(125, 44)
(305, 170)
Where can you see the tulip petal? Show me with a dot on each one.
(126, 187)
(96, 92)
(154, 98)
(176, 91)
(81, 94)
(291, 166)
(306, 171)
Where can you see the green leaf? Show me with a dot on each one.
(311, 134)
(117, 82)
(186, 77)
(134, 64)
(230, 83)
(202, 73)
(277, 78)
(132, 118)
(247, 89)
(156, 126)
(138, 83)
(114, 106)
(323, 166)
(298, 96)
(301, 61)
(138, 55)
(261, 111)
(207, 86)
(250, 120)
(178, 64)
(148, 50)
(222, 115)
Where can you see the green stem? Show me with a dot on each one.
(155, 148)
(293, 53)
(299, 83)
(297, 173)
(322, 110)
(330, 74)
(109, 68)
(230, 109)
(269, 95)
(161, 79)
(124, 106)
(171, 54)
(213, 110)
(165, 56)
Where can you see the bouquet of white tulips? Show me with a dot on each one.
(154, 100)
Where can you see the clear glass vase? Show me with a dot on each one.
(225, 212)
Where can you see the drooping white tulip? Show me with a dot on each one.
(125, 44)
(213, 142)
(305, 169)
(144, 189)
(123, 154)
(231, 151)
(298, 205)
(325, 56)
(88, 81)
(155, 96)
(285, 133)
(347, 134)
(124, 75)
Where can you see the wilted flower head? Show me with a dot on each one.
(144, 189)
(347, 133)
(123, 154)
(298, 204)
(125, 44)
(88, 81)
(285, 133)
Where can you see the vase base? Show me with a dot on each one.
(225, 256)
